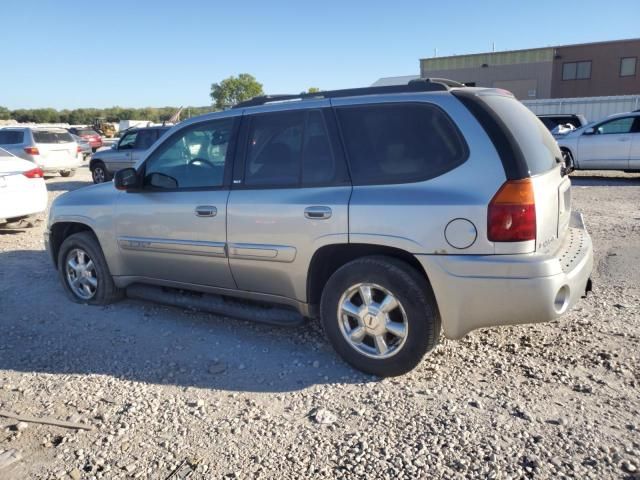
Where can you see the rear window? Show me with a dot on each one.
(400, 143)
(51, 136)
(86, 131)
(11, 137)
(553, 122)
(538, 146)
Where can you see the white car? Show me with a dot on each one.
(609, 144)
(22, 188)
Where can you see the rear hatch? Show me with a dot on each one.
(542, 163)
(56, 147)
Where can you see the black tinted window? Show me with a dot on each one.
(399, 143)
(9, 137)
(318, 161)
(145, 139)
(195, 157)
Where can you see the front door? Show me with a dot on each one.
(290, 197)
(174, 229)
(608, 147)
(121, 156)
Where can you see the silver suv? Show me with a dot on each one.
(125, 153)
(389, 213)
(52, 149)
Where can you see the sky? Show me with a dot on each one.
(138, 53)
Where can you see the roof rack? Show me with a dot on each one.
(417, 85)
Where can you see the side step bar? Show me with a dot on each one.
(219, 305)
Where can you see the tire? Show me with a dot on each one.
(99, 173)
(105, 291)
(416, 315)
(67, 173)
(567, 158)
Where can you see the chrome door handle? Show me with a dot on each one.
(317, 213)
(206, 211)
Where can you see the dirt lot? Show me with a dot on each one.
(161, 386)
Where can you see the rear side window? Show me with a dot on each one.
(290, 149)
(540, 150)
(51, 136)
(11, 137)
(400, 143)
(145, 139)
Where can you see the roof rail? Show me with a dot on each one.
(417, 85)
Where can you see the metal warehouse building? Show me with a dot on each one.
(582, 70)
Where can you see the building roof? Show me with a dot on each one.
(387, 81)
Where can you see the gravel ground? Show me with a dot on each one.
(164, 388)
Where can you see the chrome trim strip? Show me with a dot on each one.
(185, 247)
(256, 251)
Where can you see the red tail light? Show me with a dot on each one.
(32, 150)
(512, 213)
(34, 173)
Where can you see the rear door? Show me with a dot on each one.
(290, 197)
(56, 147)
(608, 148)
(543, 158)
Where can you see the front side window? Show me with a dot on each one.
(194, 157)
(400, 143)
(145, 139)
(628, 66)
(617, 126)
(128, 141)
(576, 70)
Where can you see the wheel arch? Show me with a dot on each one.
(326, 260)
(60, 231)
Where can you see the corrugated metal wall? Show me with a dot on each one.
(594, 108)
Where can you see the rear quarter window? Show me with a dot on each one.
(11, 137)
(50, 136)
(400, 142)
(540, 150)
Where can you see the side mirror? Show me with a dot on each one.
(589, 131)
(126, 179)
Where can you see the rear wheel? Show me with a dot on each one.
(84, 272)
(380, 315)
(99, 173)
(67, 173)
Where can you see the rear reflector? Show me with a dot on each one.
(34, 173)
(512, 213)
(32, 150)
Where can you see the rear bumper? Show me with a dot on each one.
(70, 164)
(475, 291)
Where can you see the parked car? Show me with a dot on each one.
(22, 189)
(387, 212)
(51, 149)
(88, 134)
(609, 144)
(84, 147)
(552, 121)
(124, 153)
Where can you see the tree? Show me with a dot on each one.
(233, 90)
(313, 90)
(5, 114)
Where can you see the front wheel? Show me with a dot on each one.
(84, 272)
(380, 315)
(67, 173)
(99, 173)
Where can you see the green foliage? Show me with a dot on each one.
(86, 116)
(313, 90)
(233, 90)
